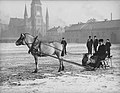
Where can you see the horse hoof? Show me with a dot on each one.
(34, 71)
(63, 68)
(59, 70)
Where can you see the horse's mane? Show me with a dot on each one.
(28, 34)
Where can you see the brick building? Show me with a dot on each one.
(78, 33)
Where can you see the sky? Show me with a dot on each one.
(62, 13)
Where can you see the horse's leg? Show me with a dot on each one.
(59, 61)
(36, 64)
(61, 67)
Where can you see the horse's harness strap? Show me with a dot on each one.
(32, 46)
(37, 49)
(40, 48)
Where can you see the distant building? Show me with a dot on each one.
(78, 33)
(75, 33)
(3, 30)
(55, 34)
(33, 25)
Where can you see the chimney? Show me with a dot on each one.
(111, 16)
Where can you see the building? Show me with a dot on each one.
(75, 33)
(55, 34)
(3, 30)
(33, 25)
(78, 33)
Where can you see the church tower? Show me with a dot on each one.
(36, 18)
(25, 19)
(47, 20)
(25, 16)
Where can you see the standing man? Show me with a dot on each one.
(95, 44)
(108, 45)
(64, 43)
(89, 45)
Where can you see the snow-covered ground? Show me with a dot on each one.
(16, 76)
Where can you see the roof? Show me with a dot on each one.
(53, 29)
(16, 22)
(95, 25)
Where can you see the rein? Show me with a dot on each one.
(61, 50)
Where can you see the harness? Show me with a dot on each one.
(35, 49)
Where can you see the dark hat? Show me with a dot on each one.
(89, 36)
(101, 40)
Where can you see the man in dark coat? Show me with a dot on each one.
(64, 43)
(89, 45)
(101, 53)
(95, 44)
(108, 45)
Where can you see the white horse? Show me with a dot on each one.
(41, 48)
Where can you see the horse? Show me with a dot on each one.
(53, 48)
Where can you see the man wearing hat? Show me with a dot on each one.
(64, 43)
(95, 44)
(89, 45)
(108, 45)
(101, 53)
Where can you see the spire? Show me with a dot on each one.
(47, 19)
(25, 13)
(47, 13)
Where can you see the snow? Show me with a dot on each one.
(16, 73)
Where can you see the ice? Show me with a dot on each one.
(16, 76)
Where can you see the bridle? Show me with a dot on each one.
(24, 41)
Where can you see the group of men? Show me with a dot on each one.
(100, 52)
(94, 43)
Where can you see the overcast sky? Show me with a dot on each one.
(62, 12)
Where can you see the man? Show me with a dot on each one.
(95, 44)
(64, 43)
(101, 53)
(89, 45)
(85, 59)
(108, 45)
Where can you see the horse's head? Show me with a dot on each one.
(21, 40)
